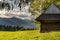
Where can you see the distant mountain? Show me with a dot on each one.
(17, 22)
(18, 17)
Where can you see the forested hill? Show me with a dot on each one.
(43, 4)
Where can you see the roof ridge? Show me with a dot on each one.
(52, 9)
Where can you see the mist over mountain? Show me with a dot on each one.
(15, 8)
(16, 13)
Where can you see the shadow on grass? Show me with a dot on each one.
(47, 30)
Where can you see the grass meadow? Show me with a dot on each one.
(29, 35)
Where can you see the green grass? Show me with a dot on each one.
(29, 35)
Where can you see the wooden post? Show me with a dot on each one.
(41, 27)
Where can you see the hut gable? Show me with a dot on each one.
(51, 13)
(52, 9)
(50, 19)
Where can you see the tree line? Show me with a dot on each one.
(13, 28)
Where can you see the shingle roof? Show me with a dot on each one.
(52, 9)
(49, 17)
(51, 13)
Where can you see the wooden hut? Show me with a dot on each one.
(50, 19)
